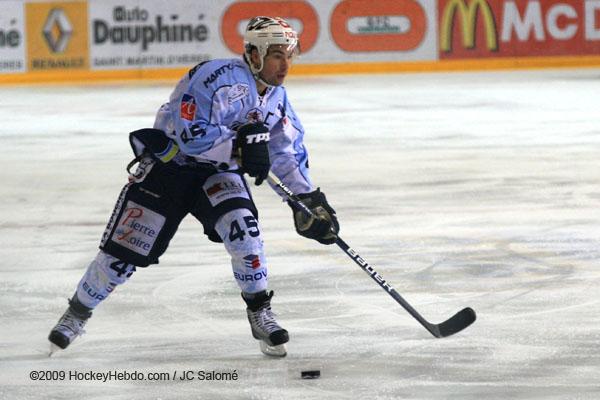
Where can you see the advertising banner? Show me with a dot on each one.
(12, 37)
(152, 33)
(130, 39)
(340, 31)
(524, 28)
(57, 38)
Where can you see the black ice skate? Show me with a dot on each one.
(264, 327)
(69, 326)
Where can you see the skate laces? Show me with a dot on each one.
(265, 319)
(72, 322)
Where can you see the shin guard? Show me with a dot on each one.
(103, 275)
(241, 235)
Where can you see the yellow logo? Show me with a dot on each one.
(57, 36)
(468, 17)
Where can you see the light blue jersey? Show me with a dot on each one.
(213, 100)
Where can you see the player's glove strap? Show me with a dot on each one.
(325, 227)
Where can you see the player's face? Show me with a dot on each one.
(277, 63)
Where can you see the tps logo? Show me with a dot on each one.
(258, 138)
(57, 30)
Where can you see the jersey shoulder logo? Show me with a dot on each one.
(188, 107)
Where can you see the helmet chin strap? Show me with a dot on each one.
(256, 74)
(261, 80)
(256, 71)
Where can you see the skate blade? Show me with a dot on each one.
(53, 349)
(273, 351)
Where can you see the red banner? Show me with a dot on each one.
(518, 28)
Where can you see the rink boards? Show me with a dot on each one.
(152, 39)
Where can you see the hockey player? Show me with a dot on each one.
(224, 118)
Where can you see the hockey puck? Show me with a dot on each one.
(312, 374)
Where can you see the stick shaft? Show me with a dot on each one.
(350, 252)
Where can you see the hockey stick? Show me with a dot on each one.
(454, 324)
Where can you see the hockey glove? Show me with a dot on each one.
(323, 229)
(253, 149)
(153, 142)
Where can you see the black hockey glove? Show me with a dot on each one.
(153, 142)
(253, 148)
(323, 229)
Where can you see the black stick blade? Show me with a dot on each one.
(456, 323)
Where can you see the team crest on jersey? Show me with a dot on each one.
(237, 92)
(188, 107)
(254, 115)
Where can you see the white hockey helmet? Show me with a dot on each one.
(262, 32)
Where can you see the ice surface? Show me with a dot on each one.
(462, 189)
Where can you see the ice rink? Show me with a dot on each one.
(460, 189)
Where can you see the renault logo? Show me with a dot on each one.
(57, 30)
